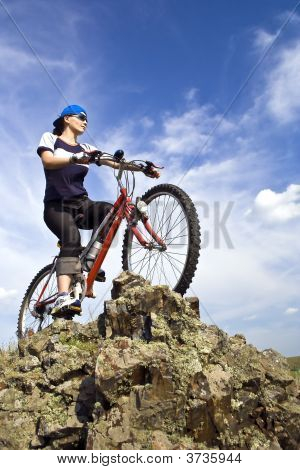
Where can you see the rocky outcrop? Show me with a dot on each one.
(147, 375)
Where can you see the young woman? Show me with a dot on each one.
(67, 205)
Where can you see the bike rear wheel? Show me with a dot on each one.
(31, 318)
(173, 217)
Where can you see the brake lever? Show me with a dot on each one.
(153, 164)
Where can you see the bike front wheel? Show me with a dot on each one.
(174, 219)
(32, 317)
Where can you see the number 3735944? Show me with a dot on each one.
(213, 457)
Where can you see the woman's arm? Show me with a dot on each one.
(51, 163)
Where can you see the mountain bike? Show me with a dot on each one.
(161, 243)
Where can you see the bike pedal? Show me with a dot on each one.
(73, 307)
(100, 276)
(67, 310)
(90, 295)
(62, 315)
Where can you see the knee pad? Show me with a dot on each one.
(68, 265)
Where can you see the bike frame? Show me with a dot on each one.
(122, 208)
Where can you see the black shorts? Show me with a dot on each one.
(64, 218)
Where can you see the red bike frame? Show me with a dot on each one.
(122, 208)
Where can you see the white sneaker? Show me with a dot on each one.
(65, 304)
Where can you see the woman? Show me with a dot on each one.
(67, 205)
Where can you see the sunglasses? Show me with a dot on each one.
(80, 116)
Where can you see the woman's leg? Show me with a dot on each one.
(94, 213)
(63, 283)
(60, 219)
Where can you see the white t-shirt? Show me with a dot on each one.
(67, 182)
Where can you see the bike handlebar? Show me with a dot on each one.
(97, 155)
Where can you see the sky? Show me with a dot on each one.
(210, 90)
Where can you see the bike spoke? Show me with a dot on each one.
(137, 250)
(154, 265)
(168, 283)
(169, 243)
(171, 212)
(143, 265)
(162, 219)
(154, 258)
(149, 264)
(177, 244)
(169, 217)
(160, 272)
(156, 212)
(173, 269)
(172, 228)
(180, 272)
(178, 261)
(140, 261)
(178, 235)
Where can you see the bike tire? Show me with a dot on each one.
(24, 313)
(194, 235)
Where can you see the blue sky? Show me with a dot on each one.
(156, 77)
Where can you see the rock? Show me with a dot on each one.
(125, 281)
(28, 364)
(148, 374)
(17, 429)
(185, 382)
(194, 305)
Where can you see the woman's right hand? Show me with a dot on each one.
(94, 156)
(80, 159)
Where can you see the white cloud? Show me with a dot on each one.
(146, 122)
(13, 60)
(282, 95)
(295, 19)
(250, 318)
(263, 39)
(278, 207)
(291, 311)
(187, 133)
(191, 94)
